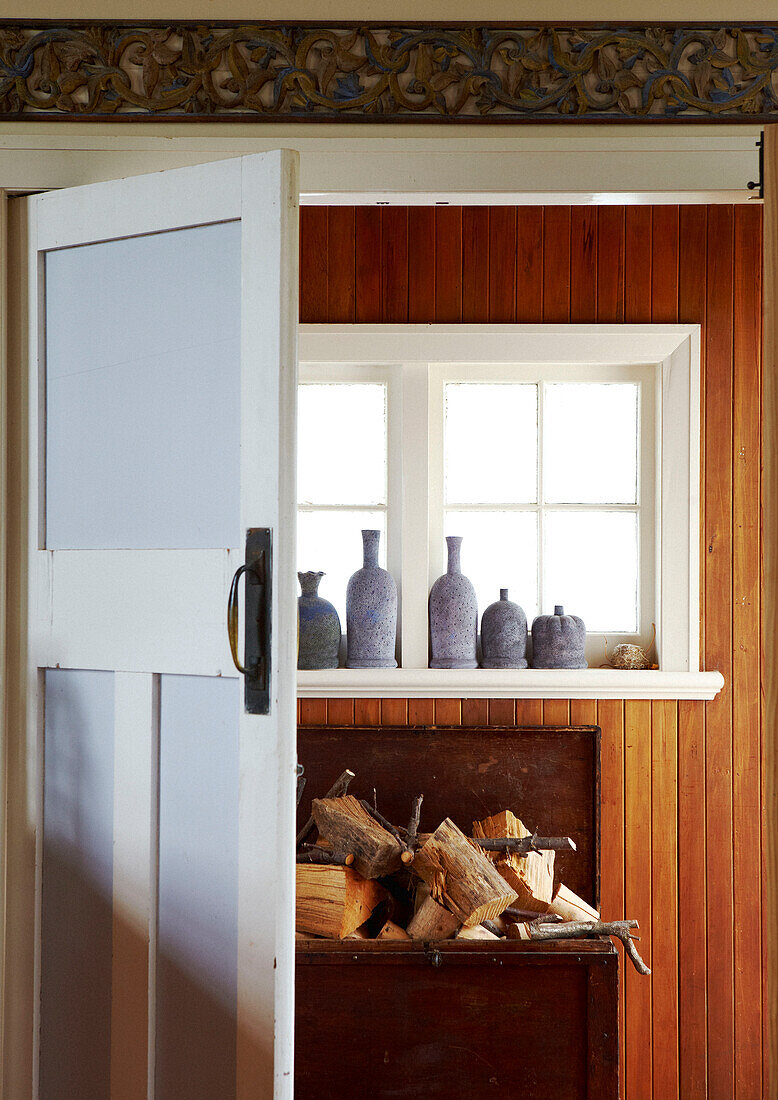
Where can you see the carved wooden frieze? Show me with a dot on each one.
(371, 72)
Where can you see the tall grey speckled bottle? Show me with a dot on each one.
(371, 611)
(453, 615)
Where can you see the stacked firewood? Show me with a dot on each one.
(366, 878)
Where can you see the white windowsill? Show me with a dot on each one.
(530, 683)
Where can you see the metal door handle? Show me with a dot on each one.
(232, 619)
(257, 627)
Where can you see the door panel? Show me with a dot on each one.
(163, 328)
(198, 886)
(76, 920)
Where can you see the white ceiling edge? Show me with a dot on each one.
(527, 198)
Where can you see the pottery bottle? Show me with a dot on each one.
(371, 611)
(453, 612)
(504, 634)
(318, 626)
(558, 641)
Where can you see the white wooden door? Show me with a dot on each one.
(163, 321)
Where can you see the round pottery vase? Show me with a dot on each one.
(558, 641)
(371, 611)
(504, 634)
(453, 615)
(318, 640)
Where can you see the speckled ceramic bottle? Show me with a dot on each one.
(319, 626)
(453, 615)
(558, 641)
(371, 611)
(504, 634)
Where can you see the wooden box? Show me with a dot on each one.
(462, 1019)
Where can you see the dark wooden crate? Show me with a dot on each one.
(464, 1019)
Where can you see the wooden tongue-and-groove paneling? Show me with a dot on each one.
(682, 825)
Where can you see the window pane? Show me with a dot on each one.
(331, 542)
(591, 567)
(143, 391)
(590, 442)
(491, 444)
(499, 550)
(341, 444)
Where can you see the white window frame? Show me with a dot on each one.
(429, 355)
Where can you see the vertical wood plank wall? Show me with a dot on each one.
(682, 818)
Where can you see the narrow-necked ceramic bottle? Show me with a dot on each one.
(453, 614)
(371, 611)
(504, 634)
(558, 640)
(319, 626)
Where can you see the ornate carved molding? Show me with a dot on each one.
(382, 72)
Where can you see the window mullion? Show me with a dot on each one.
(541, 498)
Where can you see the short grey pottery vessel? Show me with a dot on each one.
(453, 615)
(318, 642)
(504, 634)
(371, 611)
(558, 641)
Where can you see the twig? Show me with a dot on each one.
(573, 930)
(490, 926)
(338, 788)
(522, 916)
(312, 854)
(413, 825)
(407, 853)
(522, 845)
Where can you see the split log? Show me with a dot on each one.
(476, 933)
(339, 787)
(360, 933)
(519, 931)
(334, 901)
(432, 921)
(569, 906)
(349, 827)
(461, 876)
(392, 931)
(572, 930)
(531, 876)
(406, 854)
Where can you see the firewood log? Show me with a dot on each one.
(461, 876)
(360, 933)
(432, 922)
(569, 906)
(350, 828)
(518, 932)
(530, 875)
(476, 933)
(334, 901)
(392, 931)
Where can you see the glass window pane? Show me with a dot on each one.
(143, 391)
(491, 443)
(591, 568)
(590, 443)
(341, 444)
(331, 542)
(499, 550)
